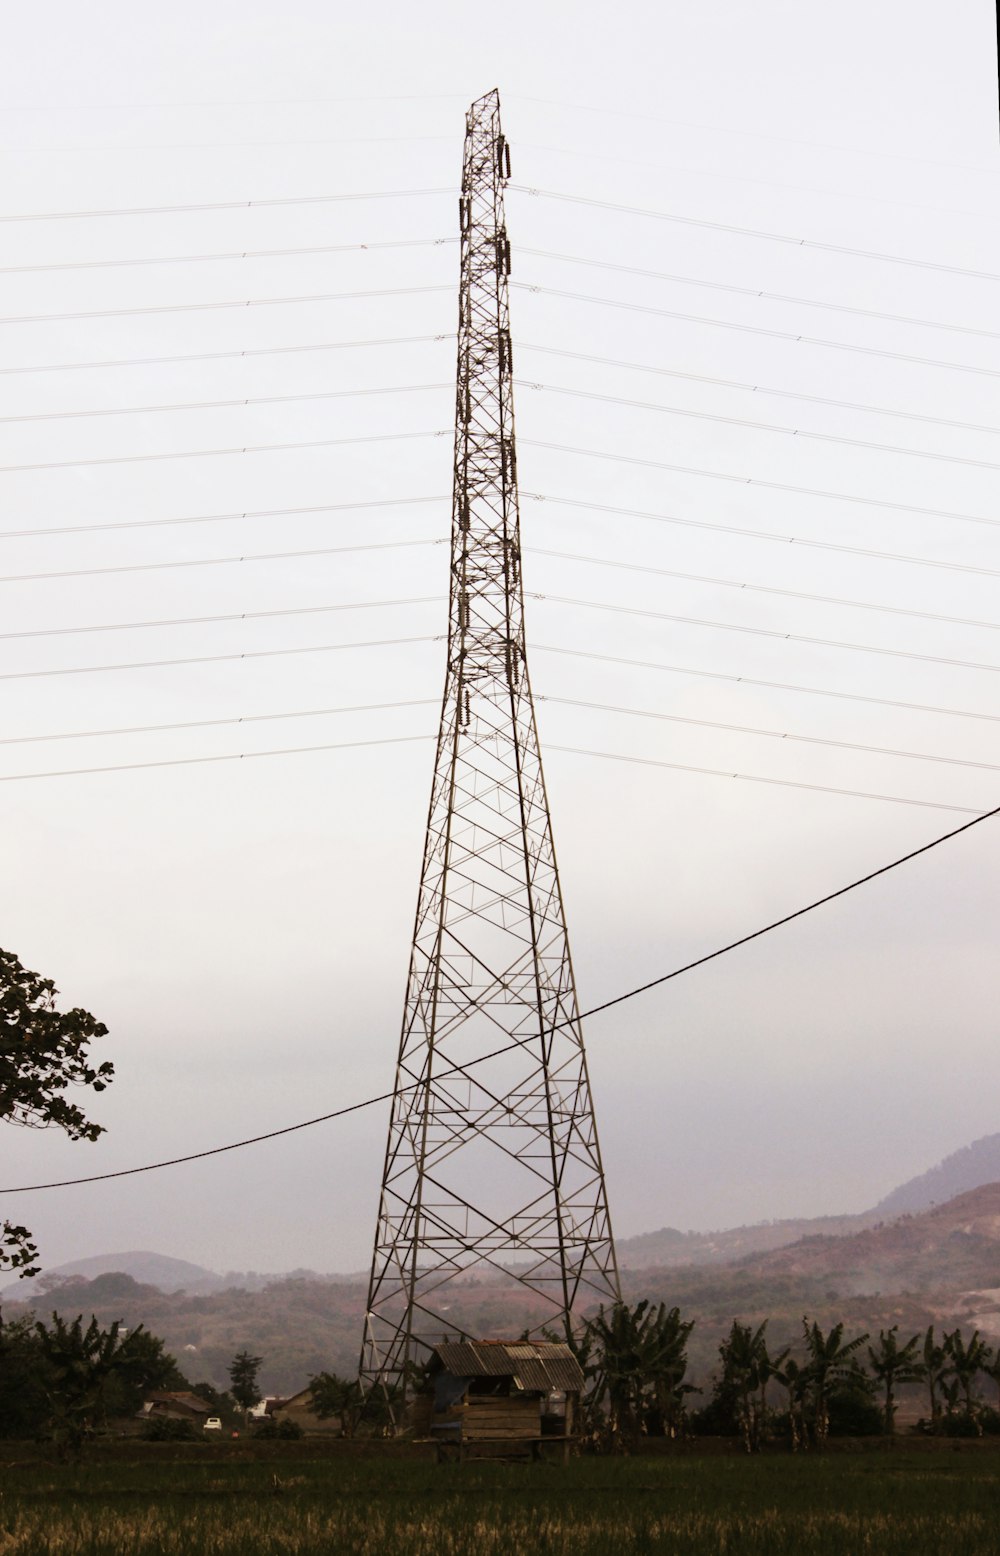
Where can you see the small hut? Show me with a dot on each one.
(512, 1395)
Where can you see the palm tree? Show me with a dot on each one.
(964, 1361)
(892, 1364)
(831, 1361)
(934, 1367)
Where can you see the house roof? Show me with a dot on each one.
(541, 1365)
(180, 1399)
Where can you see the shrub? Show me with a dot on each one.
(168, 1429)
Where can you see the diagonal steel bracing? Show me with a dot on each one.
(492, 1161)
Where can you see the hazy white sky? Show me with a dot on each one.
(243, 927)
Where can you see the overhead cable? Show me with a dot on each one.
(594, 1010)
(219, 561)
(214, 659)
(211, 453)
(773, 486)
(613, 756)
(742, 132)
(796, 337)
(223, 356)
(762, 632)
(754, 232)
(243, 718)
(780, 686)
(780, 783)
(753, 291)
(218, 518)
(775, 536)
(197, 621)
(117, 732)
(734, 729)
(756, 426)
(227, 254)
(754, 588)
(225, 405)
(735, 383)
(216, 307)
(223, 205)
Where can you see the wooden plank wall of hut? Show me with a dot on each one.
(499, 1415)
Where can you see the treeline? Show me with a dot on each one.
(635, 1361)
(64, 1381)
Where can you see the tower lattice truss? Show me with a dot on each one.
(493, 1162)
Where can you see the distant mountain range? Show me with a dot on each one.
(971, 1168)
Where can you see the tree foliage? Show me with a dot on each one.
(243, 1370)
(81, 1367)
(639, 1362)
(43, 1054)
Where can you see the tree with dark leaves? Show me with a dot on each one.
(43, 1053)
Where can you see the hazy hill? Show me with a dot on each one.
(151, 1269)
(966, 1169)
(671, 1249)
(940, 1267)
(955, 1245)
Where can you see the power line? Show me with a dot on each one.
(735, 383)
(197, 621)
(565, 556)
(756, 329)
(780, 783)
(753, 291)
(736, 178)
(244, 718)
(214, 659)
(757, 534)
(341, 394)
(755, 232)
(228, 254)
(224, 205)
(223, 405)
(781, 686)
(243, 145)
(774, 486)
(423, 702)
(234, 145)
(757, 426)
(618, 999)
(763, 632)
(614, 756)
(743, 132)
(752, 588)
(738, 729)
(219, 561)
(218, 518)
(215, 307)
(234, 756)
(211, 453)
(224, 356)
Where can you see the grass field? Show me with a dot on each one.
(220, 1501)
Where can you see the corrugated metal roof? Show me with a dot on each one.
(542, 1366)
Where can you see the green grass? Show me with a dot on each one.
(389, 1503)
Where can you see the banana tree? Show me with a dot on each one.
(832, 1360)
(964, 1362)
(642, 1358)
(934, 1364)
(892, 1364)
(747, 1367)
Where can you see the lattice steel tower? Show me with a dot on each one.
(492, 1158)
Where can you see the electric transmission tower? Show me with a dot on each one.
(492, 1160)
